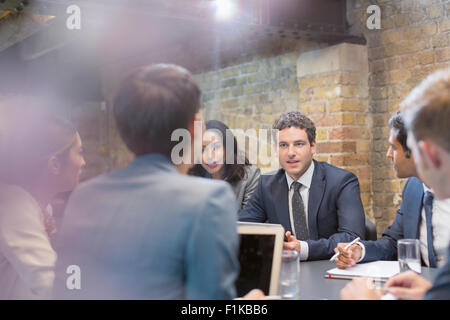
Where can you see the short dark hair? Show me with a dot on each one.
(299, 120)
(153, 102)
(397, 123)
(235, 171)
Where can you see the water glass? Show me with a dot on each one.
(289, 275)
(409, 255)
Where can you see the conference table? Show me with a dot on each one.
(314, 286)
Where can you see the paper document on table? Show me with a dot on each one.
(377, 269)
(388, 296)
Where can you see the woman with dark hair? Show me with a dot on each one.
(224, 162)
(41, 157)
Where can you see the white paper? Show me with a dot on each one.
(388, 296)
(376, 269)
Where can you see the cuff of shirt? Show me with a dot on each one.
(363, 251)
(304, 250)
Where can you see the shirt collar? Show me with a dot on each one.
(305, 179)
(425, 189)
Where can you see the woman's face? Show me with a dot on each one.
(71, 169)
(213, 152)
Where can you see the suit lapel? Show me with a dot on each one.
(280, 194)
(315, 198)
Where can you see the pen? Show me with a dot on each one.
(346, 247)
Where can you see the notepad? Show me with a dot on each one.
(377, 269)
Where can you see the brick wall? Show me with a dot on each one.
(255, 87)
(253, 94)
(414, 41)
(333, 93)
(324, 83)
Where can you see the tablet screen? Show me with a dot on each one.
(255, 258)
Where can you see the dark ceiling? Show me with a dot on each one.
(37, 44)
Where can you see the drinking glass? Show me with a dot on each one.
(289, 275)
(409, 255)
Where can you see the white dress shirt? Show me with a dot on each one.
(441, 231)
(440, 220)
(305, 181)
(27, 259)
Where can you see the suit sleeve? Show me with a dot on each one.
(251, 186)
(385, 248)
(212, 248)
(441, 285)
(351, 220)
(254, 211)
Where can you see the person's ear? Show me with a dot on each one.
(430, 151)
(54, 165)
(313, 147)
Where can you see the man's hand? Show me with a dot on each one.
(255, 294)
(292, 242)
(408, 285)
(348, 258)
(361, 289)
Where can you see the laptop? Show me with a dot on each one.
(261, 245)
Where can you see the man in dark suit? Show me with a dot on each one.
(427, 117)
(408, 218)
(318, 204)
(426, 111)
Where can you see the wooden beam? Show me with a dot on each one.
(15, 28)
(4, 13)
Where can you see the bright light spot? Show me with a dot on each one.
(224, 9)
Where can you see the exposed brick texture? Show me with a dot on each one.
(413, 42)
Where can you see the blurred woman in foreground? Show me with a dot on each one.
(41, 157)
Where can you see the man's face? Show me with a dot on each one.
(427, 173)
(294, 151)
(404, 167)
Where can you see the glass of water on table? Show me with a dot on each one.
(289, 275)
(409, 255)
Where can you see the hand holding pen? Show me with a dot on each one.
(347, 254)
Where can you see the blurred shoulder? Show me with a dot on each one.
(200, 195)
(201, 186)
(16, 203)
(14, 195)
